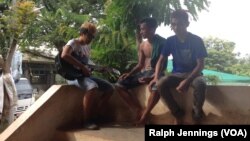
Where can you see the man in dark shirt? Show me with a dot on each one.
(188, 52)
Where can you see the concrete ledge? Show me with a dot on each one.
(223, 105)
(61, 106)
(230, 98)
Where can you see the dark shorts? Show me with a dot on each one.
(132, 81)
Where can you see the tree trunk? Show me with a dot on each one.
(10, 93)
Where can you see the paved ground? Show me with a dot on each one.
(113, 132)
(128, 132)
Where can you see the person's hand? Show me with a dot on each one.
(152, 83)
(124, 76)
(183, 86)
(86, 71)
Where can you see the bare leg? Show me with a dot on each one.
(88, 104)
(152, 101)
(130, 100)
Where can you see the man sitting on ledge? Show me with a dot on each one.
(188, 53)
(88, 83)
(142, 73)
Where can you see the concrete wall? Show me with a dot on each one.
(61, 106)
(230, 98)
(223, 105)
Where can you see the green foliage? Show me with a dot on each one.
(118, 27)
(242, 67)
(220, 55)
(53, 29)
(60, 21)
(131, 11)
(114, 57)
(94, 7)
(18, 17)
(13, 23)
(222, 58)
(117, 21)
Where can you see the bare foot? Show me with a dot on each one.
(142, 121)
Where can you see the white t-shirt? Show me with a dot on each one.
(84, 50)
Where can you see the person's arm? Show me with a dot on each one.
(197, 70)
(200, 53)
(183, 86)
(139, 65)
(159, 66)
(158, 69)
(66, 55)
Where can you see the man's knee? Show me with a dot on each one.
(164, 82)
(91, 92)
(199, 83)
